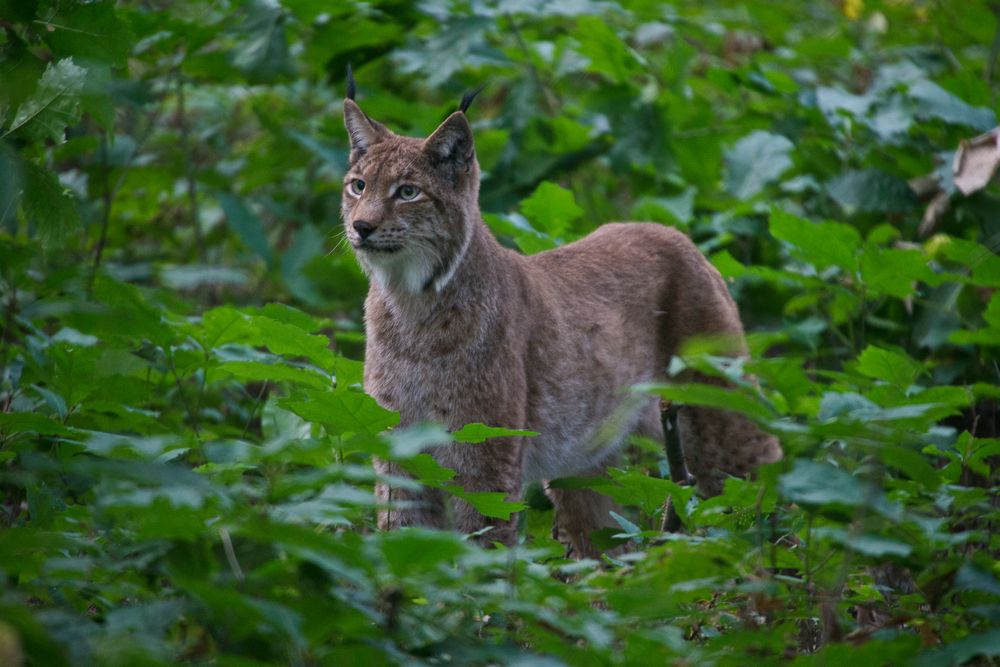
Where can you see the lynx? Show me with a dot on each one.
(461, 329)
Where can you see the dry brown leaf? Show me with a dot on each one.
(976, 161)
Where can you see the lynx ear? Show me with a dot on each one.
(451, 143)
(363, 131)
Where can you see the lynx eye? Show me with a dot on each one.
(408, 192)
(357, 186)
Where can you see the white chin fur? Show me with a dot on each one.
(407, 270)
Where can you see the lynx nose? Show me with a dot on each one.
(363, 228)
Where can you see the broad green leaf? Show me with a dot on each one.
(960, 652)
(290, 340)
(822, 244)
(875, 546)
(227, 325)
(815, 483)
(606, 52)
(982, 262)
(341, 411)
(89, 31)
(476, 433)
(284, 313)
(412, 550)
(894, 367)
(407, 442)
(12, 423)
(348, 371)
(260, 371)
(755, 161)
(128, 314)
(678, 210)
(55, 104)
(551, 208)
(893, 271)
(425, 468)
(246, 224)
(629, 529)
(262, 50)
(710, 396)
(644, 491)
(487, 503)
(48, 206)
(871, 191)
(933, 101)
(911, 463)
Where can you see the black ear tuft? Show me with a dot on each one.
(468, 97)
(351, 87)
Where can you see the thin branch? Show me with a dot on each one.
(227, 546)
(107, 197)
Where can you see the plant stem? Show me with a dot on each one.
(107, 198)
(192, 184)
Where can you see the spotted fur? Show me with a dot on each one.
(461, 330)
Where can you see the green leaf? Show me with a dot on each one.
(285, 313)
(341, 411)
(247, 225)
(277, 372)
(894, 367)
(933, 101)
(405, 443)
(629, 529)
(893, 271)
(710, 396)
(813, 483)
(970, 577)
(412, 550)
(606, 52)
(48, 206)
(634, 487)
(227, 325)
(89, 31)
(427, 470)
(348, 371)
(262, 50)
(822, 244)
(871, 191)
(290, 340)
(488, 503)
(875, 546)
(983, 263)
(476, 433)
(755, 161)
(54, 105)
(30, 422)
(985, 644)
(678, 211)
(551, 208)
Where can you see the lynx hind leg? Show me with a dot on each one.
(717, 444)
(400, 507)
(578, 513)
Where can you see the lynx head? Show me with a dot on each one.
(409, 205)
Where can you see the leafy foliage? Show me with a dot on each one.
(185, 446)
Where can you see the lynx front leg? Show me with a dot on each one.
(399, 507)
(493, 467)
